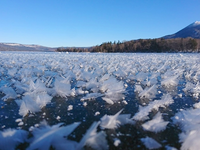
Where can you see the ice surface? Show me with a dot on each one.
(10, 138)
(28, 105)
(116, 142)
(70, 107)
(144, 111)
(47, 136)
(62, 89)
(108, 100)
(190, 140)
(197, 105)
(112, 85)
(196, 90)
(81, 84)
(80, 91)
(97, 113)
(37, 87)
(114, 121)
(39, 82)
(188, 87)
(18, 120)
(110, 122)
(9, 93)
(113, 90)
(92, 85)
(150, 143)
(157, 124)
(149, 93)
(189, 123)
(42, 99)
(141, 76)
(91, 96)
(170, 81)
(138, 88)
(94, 139)
(12, 71)
(170, 148)
(104, 78)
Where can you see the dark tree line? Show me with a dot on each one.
(143, 45)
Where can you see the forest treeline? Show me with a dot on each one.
(142, 45)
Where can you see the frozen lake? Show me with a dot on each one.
(99, 101)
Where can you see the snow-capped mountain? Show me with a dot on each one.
(23, 47)
(192, 30)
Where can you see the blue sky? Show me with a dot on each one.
(56, 23)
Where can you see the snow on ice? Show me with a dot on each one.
(141, 88)
(150, 143)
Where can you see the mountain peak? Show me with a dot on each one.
(194, 24)
(197, 22)
(192, 30)
(23, 47)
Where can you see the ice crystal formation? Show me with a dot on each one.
(98, 101)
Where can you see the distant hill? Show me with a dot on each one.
(193, 31)
(24, 47)
(185, 40)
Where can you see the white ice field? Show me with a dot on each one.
(99, 101)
